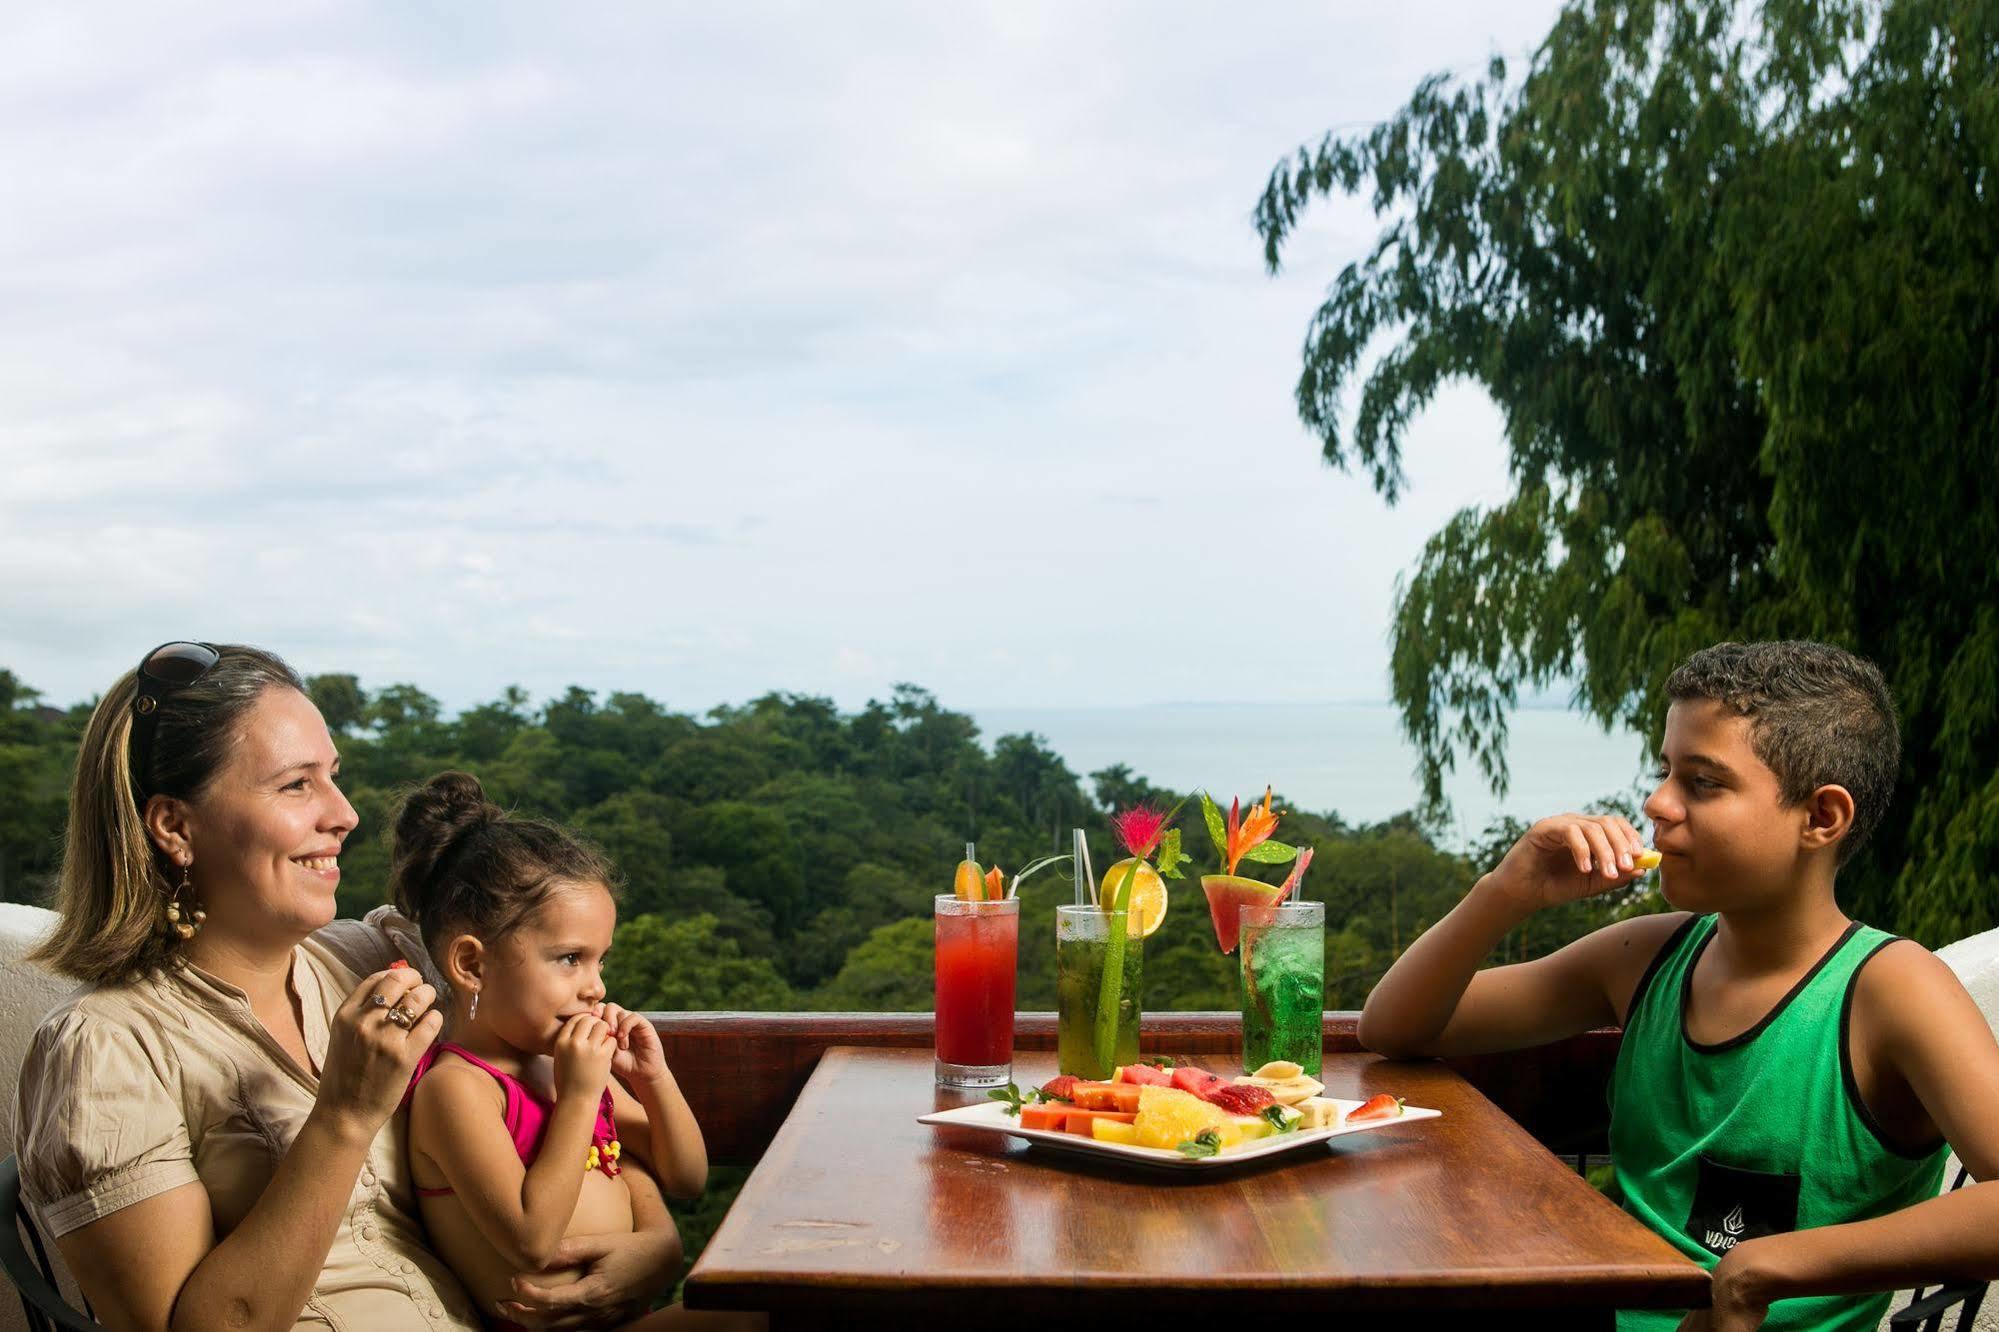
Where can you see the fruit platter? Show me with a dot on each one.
(1176, 1116)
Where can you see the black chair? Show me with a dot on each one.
(33, 1277)
(1925, 1312)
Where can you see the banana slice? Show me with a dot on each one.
(1317, 1112)
(1278, 1070)
(1285, 1091)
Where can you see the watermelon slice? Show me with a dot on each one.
(1145, 1075)
(1227, 894)
(1198, 1081)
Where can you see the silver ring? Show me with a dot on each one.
(381, 1001)
(401, 1016)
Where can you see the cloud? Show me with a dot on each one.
(697, 351)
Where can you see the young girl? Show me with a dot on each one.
(542, 1111)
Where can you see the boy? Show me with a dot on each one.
(1788, 1078)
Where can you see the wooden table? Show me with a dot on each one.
(858, 1214)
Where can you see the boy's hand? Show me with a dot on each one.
(1567, 857)
(1735, 1306)
(639, 1058)
(583, 1051)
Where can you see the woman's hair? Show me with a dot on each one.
(463, 865)
(114, 880)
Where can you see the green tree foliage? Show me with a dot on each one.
(340, 700)
(681, 965)
(782, 854)
(1729, 273)
(37, 745)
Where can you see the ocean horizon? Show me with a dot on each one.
(1349, 759)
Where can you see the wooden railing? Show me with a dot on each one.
(741, 1072)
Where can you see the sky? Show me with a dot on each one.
(700, 350)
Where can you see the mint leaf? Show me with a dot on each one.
(1010, 1096)
(1271, 853)
(1218, 832)
(1280, 1121)
(1159, 1061)
(1170, 856)
(1206, 1143)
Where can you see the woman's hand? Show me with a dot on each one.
(583, 1051)
(640, 1059)
(369, 1054)
(625, 1274)
(1567, 857)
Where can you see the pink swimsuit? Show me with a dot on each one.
(526, 1115)
(527, 1121)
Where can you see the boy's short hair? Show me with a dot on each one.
(1818, 716)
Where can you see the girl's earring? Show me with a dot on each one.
(474, 1012)
(195, 917)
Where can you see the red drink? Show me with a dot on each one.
(978, 944)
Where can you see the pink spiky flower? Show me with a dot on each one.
(1139, 829)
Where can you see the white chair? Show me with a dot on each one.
(27, 992)
(1976, 962)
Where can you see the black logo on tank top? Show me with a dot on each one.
(1732, 1205)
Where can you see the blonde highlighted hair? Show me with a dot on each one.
(112, 889)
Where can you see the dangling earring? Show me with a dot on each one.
(474, 1010)
(196, 917)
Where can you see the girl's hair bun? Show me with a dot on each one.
(434, 819)
(462, 863)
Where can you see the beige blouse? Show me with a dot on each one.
(130, 1090)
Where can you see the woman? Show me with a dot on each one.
(208, 1128)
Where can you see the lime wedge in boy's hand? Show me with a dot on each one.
(1648, 859)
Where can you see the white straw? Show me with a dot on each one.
(1083, 874)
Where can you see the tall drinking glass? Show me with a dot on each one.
(1097, 998)
(978, 945)
(1283, 984)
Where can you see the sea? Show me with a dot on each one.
(1349, 759)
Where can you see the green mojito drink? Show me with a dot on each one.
(1283, 984)
(1091, 1040)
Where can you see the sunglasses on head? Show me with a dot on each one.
(168, 667)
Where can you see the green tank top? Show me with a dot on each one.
(1761, 1134)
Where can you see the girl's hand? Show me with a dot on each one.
(369, 1055)
(640, 1059)
(583, 1051)
(1567, 857)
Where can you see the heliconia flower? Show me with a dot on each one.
(1245, 833)
(995, 885)
(1139, 829)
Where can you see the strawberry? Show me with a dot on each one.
(1062, 1088)
(1383, 1106)
(1240, 1100)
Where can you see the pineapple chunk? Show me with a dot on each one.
(1168, 1117)
(1110, 1130)
(1251, 1127)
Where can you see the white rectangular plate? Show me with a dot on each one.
(992, 1115)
